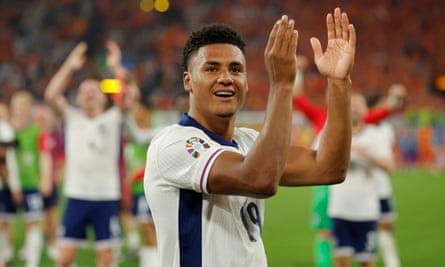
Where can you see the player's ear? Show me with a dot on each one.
(187, 81)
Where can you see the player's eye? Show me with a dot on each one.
(211, 69)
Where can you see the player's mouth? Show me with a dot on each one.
(224, 94)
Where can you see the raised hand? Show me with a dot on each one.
(396, 96)
(337, 61)
(280, 53)
(114, 55)
(77, 58)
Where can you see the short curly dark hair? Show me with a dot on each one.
(210, 34)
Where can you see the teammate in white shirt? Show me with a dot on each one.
(206, 180)
(385, 140)
(92, 183)
(354, 204)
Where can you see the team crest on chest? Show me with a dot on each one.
(195, 146)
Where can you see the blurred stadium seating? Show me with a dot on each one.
(399, 41)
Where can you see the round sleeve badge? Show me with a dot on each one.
(195, 146)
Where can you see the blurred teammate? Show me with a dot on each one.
(51, 151)
(385, 139)
(320, 221)
(10, 191)
(354, 204)
(92, 136)
(206, 180)
(28, 160)
(141, 127)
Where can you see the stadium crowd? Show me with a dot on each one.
(35, 36)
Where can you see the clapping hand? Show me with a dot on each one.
(280, 55)
(337, 61)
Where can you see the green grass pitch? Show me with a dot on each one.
(419, 229)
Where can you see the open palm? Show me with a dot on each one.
(337, 61)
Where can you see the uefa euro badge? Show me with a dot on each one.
(195, 146)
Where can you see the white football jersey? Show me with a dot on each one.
(384, 140)
(356, 198)
(92, 152)
(193, 227)
(7, 134)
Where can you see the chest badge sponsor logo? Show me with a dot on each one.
(195, 146)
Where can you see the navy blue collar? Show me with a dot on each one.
(186, 120)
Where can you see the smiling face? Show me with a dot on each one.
(90, 98)
(217, 81)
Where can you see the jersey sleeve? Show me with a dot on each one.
(376, 115)
(183, 160)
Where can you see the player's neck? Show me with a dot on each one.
(93, 112)
(20, 122)
(221, 126)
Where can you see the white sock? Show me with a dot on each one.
(117, 252)
(148, 256)
(53, 252)
(388, 248)
(133, 240)
(6, 251)
(33, 246)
